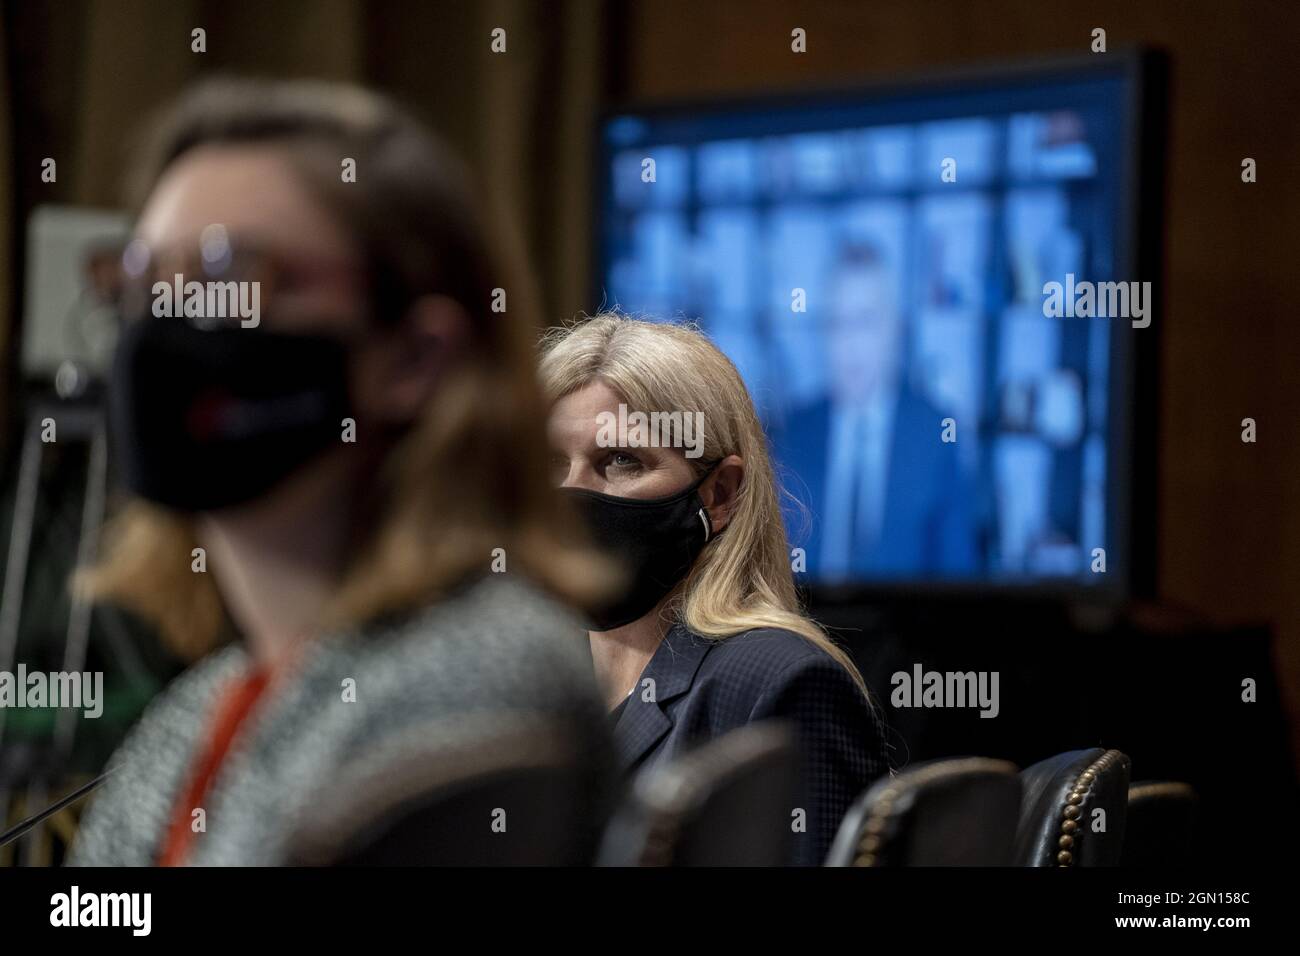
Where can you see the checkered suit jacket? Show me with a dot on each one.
(695, 689)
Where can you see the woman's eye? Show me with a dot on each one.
(623, 461)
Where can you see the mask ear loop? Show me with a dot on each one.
(703, 513)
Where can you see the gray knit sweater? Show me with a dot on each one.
(498, 645)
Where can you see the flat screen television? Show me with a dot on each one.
(878, 265)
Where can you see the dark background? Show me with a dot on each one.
(1161, 680)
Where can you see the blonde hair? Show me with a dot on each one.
(470, 475)
(742, 580)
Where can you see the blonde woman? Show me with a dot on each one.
(708, 635)
(319, 488)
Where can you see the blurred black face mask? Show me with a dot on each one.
(656, 539)
(206, 419)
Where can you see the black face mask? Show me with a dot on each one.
(656, 539)
(206, 419)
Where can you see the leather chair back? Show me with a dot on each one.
(727, 803)
(499, 790)
(959, 812)
(1161, 827)
(1059, 825)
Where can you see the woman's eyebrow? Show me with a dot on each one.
(618, 446)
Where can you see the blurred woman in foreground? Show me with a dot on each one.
(710, 636)
(331, 479)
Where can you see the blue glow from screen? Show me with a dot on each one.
(923, 301)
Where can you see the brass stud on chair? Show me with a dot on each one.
(1074, 806)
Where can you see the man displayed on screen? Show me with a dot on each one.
(885, 493)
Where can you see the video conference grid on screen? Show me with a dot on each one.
(879, 284)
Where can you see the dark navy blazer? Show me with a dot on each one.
(928, 526)
(704, 688)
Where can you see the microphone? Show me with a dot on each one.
(14, 832)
